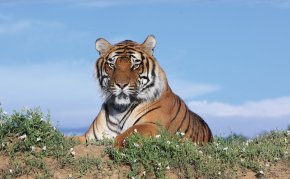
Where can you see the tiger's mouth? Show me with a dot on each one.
(122, 95)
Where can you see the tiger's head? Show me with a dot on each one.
(128, 72)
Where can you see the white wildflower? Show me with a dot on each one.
(132, 177)
(11, 171)
(159, 164)
(123, 154)
(24, 136)
(261, 172)
(5, 113)
(267, 164)
(200, 152)
(177, 146)
(168, 142)
(135, 131)
(33, 148)
(38, 139)
(144, 173)
(135, 160)
(182, 133)
(219, 173)
(226, 148)
(44, 148)
(54, 128)
(242, 159)
(3, 145)
(72, 152)
(136, 145)
(168, 168)
(157, 136)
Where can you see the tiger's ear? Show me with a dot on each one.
(102, 46)
(149, 44)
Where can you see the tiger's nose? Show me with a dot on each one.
(122, 85)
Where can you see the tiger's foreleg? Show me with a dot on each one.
(146, 129)
(96, 131)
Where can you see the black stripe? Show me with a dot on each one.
(142, 68)
(153, 69)
(144, 77)
(102, 67)
(102, 79)
(115, 55)
(118, 53)
(192, 130)
(184, 117)
(179, 105)
(147, 66)
(146, 113)
(98, 70)
(152, 104)
(129, 48)
(108, 120)
(188, 125)
(148, 86)
(94, 130)
(191, 135)
(151, 123)
(127, 115)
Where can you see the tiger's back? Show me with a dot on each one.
(138, 96)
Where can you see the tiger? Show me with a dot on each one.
(138, 97)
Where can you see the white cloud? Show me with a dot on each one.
(268, 108)
(10, 25)
(187, 89)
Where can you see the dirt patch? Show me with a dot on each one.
(279, 170)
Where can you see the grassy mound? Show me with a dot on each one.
(31, 146)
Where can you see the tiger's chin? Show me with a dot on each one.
(122, 102)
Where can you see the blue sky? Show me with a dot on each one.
(229, 60)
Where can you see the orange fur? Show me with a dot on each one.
(138, 96)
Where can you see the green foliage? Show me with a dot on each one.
(217, 160)
(30, 131)
(29, 139)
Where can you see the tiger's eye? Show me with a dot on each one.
(111, 65)
(135, 66)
